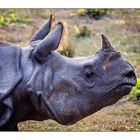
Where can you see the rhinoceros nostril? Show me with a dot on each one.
(130, 75)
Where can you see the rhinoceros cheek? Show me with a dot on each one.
(68, 110)
(64, 113)
(69, 117)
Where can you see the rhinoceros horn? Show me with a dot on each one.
(49, 43)
(42, 32)
(106, 45)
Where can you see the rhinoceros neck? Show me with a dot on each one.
(23, 107)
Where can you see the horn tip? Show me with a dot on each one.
(106, 45)
(103, 36)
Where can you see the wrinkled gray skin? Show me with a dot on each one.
(65, 89)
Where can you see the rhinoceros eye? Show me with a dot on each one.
(89, 74)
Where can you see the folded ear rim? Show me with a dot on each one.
(49, 43)
(43, 31)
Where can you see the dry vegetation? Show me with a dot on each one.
(123, 29)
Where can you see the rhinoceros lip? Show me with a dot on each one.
(127, 86)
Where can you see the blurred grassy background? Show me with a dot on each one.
(82, 37)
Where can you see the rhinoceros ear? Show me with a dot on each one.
(49, 43)
(106, 45)
(43, 31)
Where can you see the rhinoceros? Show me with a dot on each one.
(38, 83)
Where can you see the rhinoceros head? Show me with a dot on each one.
(69, 89)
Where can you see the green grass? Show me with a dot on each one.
(11, 17)
(94, 13)
(135, 94)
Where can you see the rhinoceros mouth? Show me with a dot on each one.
(122, 89)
